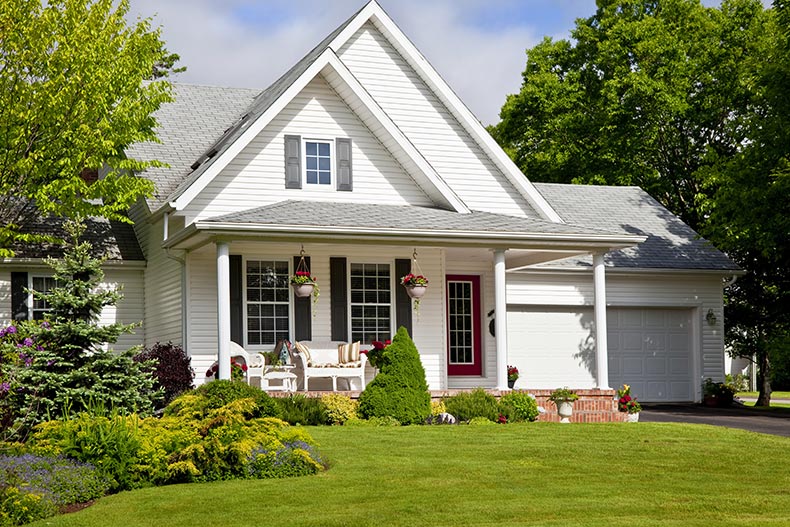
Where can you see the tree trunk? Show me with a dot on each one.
(764, 379)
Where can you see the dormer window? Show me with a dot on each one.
(318, 162)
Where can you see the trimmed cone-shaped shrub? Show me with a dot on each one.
(399, 390)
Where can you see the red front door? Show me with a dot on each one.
(464, 335)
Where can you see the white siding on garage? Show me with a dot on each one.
(256, 176)
(428, 327)
(698, 292)
(162, 321)
(5, 297)
(429, 125)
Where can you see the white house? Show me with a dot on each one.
(362, 156)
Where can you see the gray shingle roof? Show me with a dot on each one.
(188, 126)
(396, 217)
(196, 132)
(113, 239)
(670, 244)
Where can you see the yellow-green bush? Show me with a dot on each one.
(339, 408)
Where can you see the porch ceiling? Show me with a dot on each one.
(312, 221)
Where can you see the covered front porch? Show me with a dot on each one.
(237, 271)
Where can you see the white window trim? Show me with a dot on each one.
(392, 294)
(245, 259)
(332, 164)
(30, 302)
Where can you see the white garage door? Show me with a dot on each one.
(651, 349)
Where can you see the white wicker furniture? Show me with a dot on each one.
(323, 359)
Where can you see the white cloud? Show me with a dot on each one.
(220, 47)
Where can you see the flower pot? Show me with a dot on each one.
(510, 384)
(416, 291)
(565, 410)
(303, 290)
(632, 418)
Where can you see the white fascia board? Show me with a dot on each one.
(373, 11)
(396, 134)
(584, 240)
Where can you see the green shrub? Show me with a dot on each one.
(480, 421)
(466, 406)
(339, 408)
(300, 410)
(216, 394)
(438, 407)
(399, 390)
(18, 507)
(291, 459)
(172, 370)
(518, 407)
(110, 443)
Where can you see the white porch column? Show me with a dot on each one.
(601, 350)
(500, 328)
(223, 309)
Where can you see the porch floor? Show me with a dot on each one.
(593, 406)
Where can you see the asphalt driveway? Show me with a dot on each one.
(762, 421)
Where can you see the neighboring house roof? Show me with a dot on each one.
(188, 127)
(113, 239)
(670, 244)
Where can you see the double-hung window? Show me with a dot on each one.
(38, 306)
(318, 162)
(371, 302)
(267, 301)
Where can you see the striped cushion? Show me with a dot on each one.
(305, 351)
(348, 353)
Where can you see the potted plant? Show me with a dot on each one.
(376, 352)
(304, 284)
(717, 393)
(563, 398)
(627, 403)
(238, 370)
(415, 284)
(512, 376)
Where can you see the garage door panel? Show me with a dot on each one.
(630, 341)
(652, 352)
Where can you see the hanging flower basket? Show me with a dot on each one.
(415, 285)
(304, 285)
(303, 290)
(416, 291)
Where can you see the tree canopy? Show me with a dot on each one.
(72, 97)
(688, 102)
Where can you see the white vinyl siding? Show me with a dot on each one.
(429, 125)
(130, 308)
(428, 327)
(162, 321)
(256, 176)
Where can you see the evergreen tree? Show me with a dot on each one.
(66, 366)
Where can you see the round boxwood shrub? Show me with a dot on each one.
(467, 405)
(518, 407)
(399, 390)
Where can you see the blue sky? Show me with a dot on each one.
(476, 45)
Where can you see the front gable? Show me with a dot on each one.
(256, 176)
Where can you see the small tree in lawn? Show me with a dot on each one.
(64, 367)
(400, 389)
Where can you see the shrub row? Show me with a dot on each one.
(512, 407)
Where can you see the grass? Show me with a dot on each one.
(774, 395)
(780, 407)
(540, 474)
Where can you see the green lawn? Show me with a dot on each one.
(774, 395)
(535, 474)
(782, 406)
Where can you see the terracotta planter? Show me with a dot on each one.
(565, 410)
(416, 291)
(303, 290)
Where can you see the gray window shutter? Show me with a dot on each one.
(343, 149)
(338, 299)
(303, 316)
(236, 300)
(293, 161)
(402, 299)
(19, 296)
